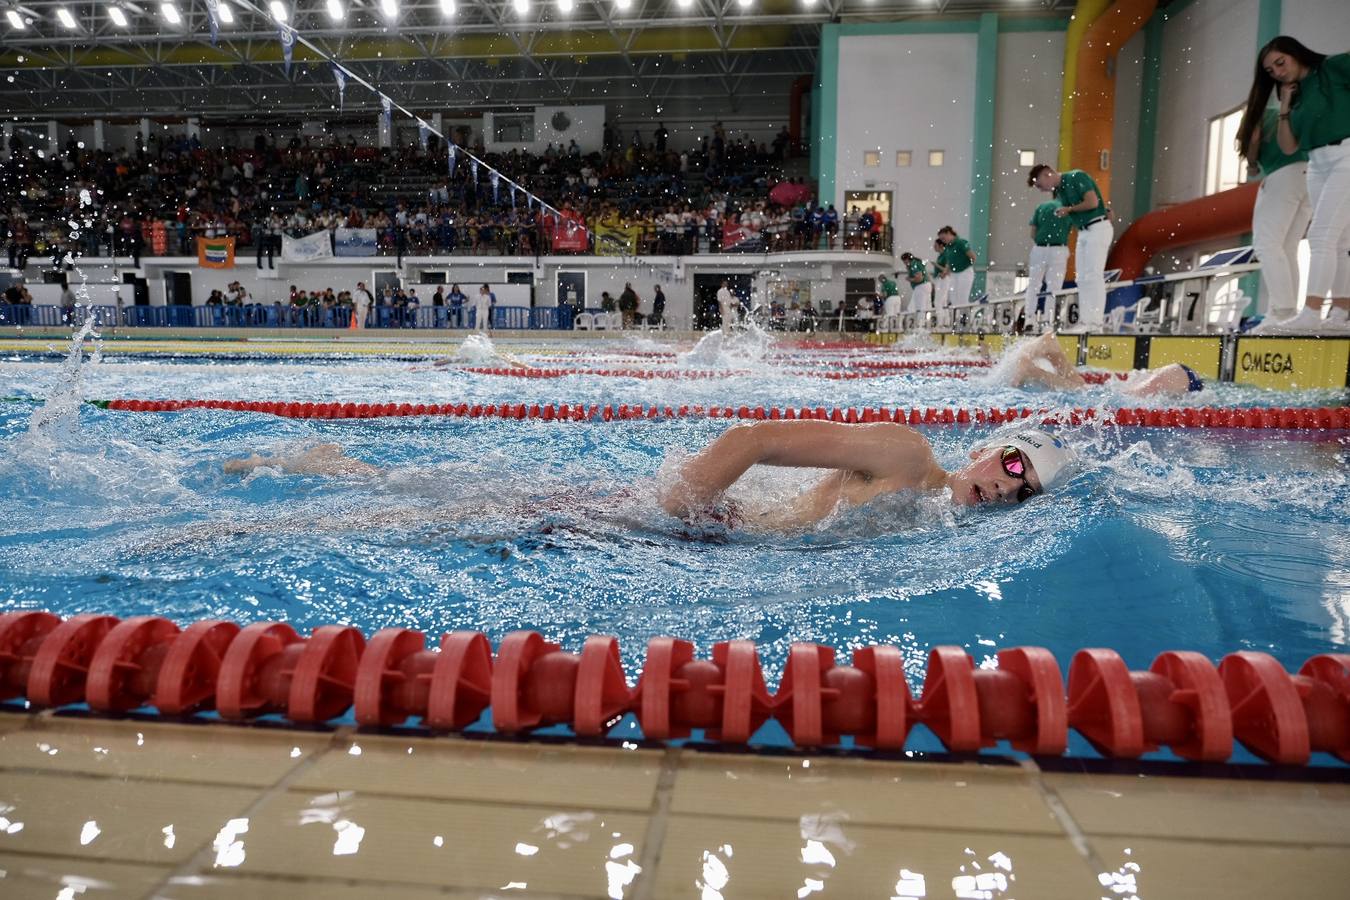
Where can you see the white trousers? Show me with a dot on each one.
(1094, 242)
(941, 298)
(962, 282)
(481, 312)
(1279, 220)
(1045, 264)
(1329, 233)
(921, 298)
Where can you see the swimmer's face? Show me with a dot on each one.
(991, 478)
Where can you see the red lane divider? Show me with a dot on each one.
(1183, 701)
(931, 371)
(1304, 418)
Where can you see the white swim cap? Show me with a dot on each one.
(1049, 455)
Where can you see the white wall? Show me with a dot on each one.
(908, 92)
(1026, 117)
(1208, 55)
(1324, 25)
(1125, 133)
(587, 124)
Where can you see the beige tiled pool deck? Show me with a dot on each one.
(129, 808)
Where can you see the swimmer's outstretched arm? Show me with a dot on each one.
(325, 459)
(1046, 347)
(892, 453)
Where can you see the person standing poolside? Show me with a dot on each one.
(867, 462)
(921, 286)
(363, 301)
(482, 308)
(1049, 258)
(958, 261)
(1282, 212)
(1314, 117)
(942, 284)
(1082, 204)
(727, 305)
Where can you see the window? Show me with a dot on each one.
(1026, 158)
(936, 157)
(1224, 168)
(871, 158)
(903, 158)
(513, 128)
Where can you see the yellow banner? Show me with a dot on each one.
(1292, 363)
(613, 240)
(1200, 353)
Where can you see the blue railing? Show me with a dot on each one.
(260, 315)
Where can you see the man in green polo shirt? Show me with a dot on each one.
(958, 263)
(1049, 258)
(1082, 204)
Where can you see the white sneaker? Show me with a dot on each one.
(1337, 323)
(1271, 323)
(1308, 321)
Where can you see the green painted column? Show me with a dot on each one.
(1268, 19)
(1148, 116)
(827, 127)
(982, 159)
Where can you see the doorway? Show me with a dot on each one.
(878, 238)
(572, 290)
(707, 315)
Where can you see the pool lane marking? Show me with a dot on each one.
(200, 862)
(1072, 830)
(658, 823)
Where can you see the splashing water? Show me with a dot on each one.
(478, 348)
(734, 349)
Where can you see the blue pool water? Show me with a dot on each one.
(1214, 541)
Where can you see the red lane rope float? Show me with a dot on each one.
(1182, 701)
(1285, 418)
(701, 374)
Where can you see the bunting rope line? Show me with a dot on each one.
(387, 103)
(1276, 418)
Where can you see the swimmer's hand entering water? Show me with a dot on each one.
(325, 459)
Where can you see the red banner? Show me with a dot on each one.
(568, 235)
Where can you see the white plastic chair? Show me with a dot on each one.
(614, 322)
(583, 322)
(600, 321)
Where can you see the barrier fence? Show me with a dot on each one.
(262, 315)
(1182, 701)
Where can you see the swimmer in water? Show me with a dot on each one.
(1042, 363)
(867, 462)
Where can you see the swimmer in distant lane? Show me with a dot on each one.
(868, 462)
(1042, 362)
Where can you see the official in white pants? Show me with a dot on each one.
(1314, 93)
(942, 286)
(1049, 257)
(921, 298)
(1094, 242)
(962, 283)
(1082, 203)
(1279, 221)
(1281, 215)
(1045, 265)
